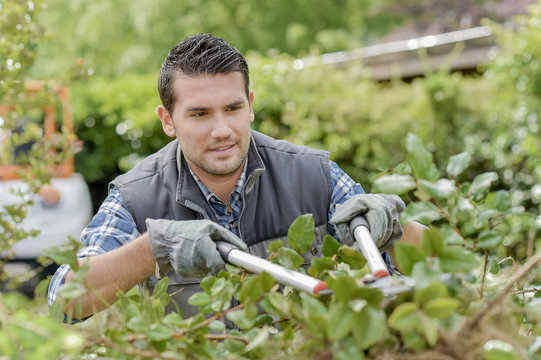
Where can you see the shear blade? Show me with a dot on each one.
(390, 285)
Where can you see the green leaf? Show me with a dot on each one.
(255, 286)
(345, 289)
(455, 259)
(199, 299)
(405, 317)
(489, 239)
(161, 288)
(487, 214)
(289, 258)
(424, 275)
(233, 346)
(8, 347)
(441, 308)
(62, 255)
(406, 256)
(346, 349)
(318, 265)
(430, 330)
(422, 212)
(369, 326)
(300, 235)
(217, 287)
(450, 235)
(207, 283)
(414, 341)
(330, 246)
(394, 184)
(312, 305)
(458, 163)
(433, 291)
(263, 319)
(260, 338)
(502, 200)
(340, 321)
(240, 319)
(278, 302)
(217, 326)
(499, 350)
(274, 246)
(432, 242)
(159, 332)
(516, 210)
(71, 290)
(351, 257)
(441, 189)
(268, 307)
(420, 159)
(138, 324)
(481, 184)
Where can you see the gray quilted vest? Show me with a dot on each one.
(283, 182)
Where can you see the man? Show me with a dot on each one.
(218, 180)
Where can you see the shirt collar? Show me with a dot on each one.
(209, 195)
(206, 192)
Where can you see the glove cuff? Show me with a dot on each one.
(160, 250)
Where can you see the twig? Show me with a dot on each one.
(474, 321)
(209, 320)
(534, 290)
(226, 336)
(484, 274)
(531, 239)
(448, 218)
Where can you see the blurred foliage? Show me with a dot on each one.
(116, 121)
(19, 37)
(24, 150)
(112, 38)
(120, 37)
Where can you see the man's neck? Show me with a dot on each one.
(221, 186)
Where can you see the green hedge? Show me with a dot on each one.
(117, 123)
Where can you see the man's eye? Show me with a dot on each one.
(199, 114)
(233, 108)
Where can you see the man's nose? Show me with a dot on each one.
(221, 128)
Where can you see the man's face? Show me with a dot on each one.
(211, 119)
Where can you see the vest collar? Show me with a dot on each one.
(256, 167)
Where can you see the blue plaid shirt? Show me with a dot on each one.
(113, 225)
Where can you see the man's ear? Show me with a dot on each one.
(167, 121)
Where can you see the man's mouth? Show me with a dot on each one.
(222, 148)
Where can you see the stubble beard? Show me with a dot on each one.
(223, 168)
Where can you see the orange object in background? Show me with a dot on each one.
(49, 195)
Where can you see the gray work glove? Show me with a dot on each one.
(381, 211)
(188, 246)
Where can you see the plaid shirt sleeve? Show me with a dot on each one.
(111, 227)
(343, 187)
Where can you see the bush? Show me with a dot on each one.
(117, 123)
(482, 311)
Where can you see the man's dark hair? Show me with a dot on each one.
(197, 55)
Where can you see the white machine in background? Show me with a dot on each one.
(61, 209)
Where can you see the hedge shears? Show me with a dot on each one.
(379, 276)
